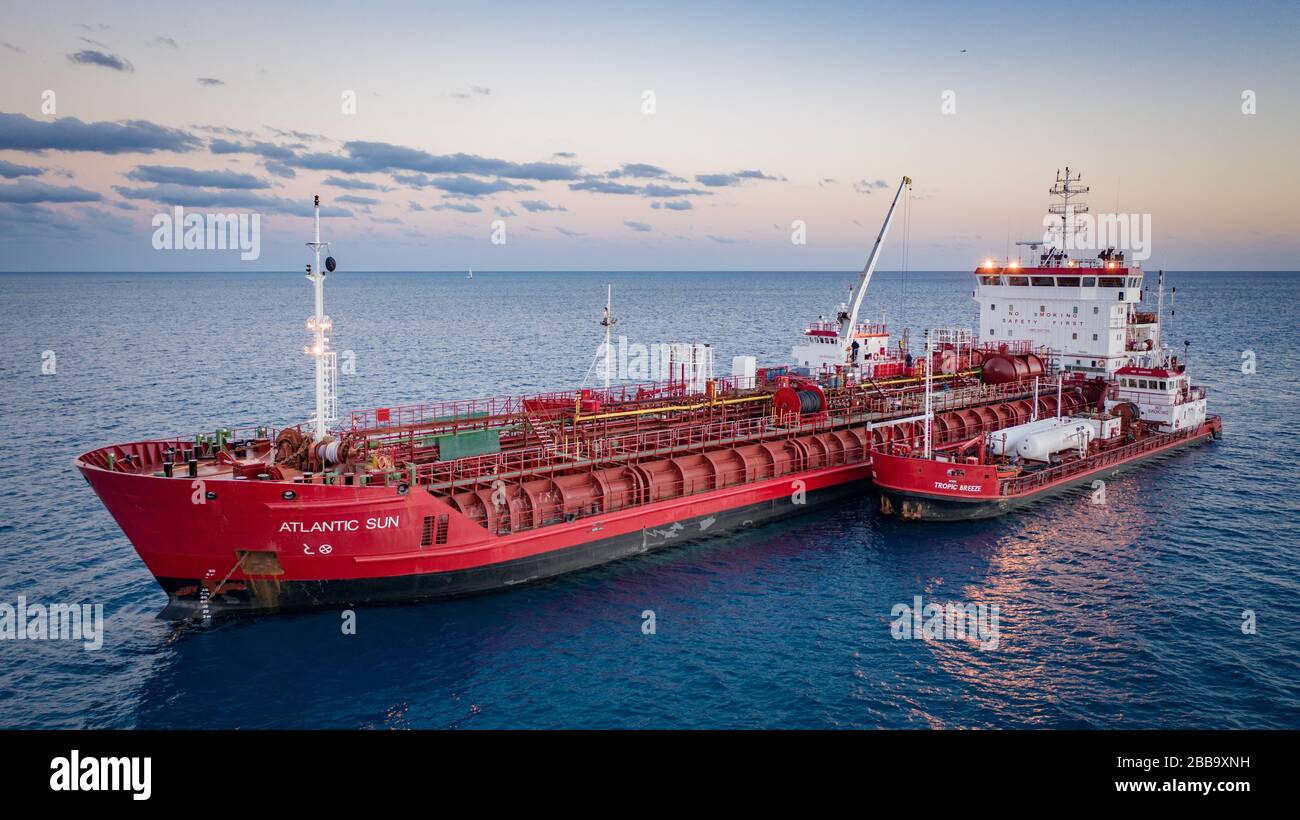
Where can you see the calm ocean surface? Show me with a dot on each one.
(1127, 615)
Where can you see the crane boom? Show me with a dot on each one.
(848, 323)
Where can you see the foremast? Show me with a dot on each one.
(319, 324)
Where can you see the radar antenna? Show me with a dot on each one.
(1067, 189)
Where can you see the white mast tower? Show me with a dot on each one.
(326, 359)
(1067, 188)
(608, 321)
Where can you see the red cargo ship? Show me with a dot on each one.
(1135, 397)
(458, 497)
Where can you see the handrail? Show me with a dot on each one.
(1016, 486)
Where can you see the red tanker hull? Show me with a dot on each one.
(223, 547)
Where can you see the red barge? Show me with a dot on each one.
(1138, 399)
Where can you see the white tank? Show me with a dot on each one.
(1005, 442)
(1040, 446)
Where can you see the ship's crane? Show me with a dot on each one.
(849, 321)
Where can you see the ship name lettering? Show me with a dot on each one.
(386, 522)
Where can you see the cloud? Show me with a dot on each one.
(258, 148)
(10, 170)
(386, 220)
(604, 186)
(279, 169)
(353, 199)
(90, 56)
(13, 47)
(172, 175)
(298, 135)
(105, 220)
(732, 179)
(682, 205)
(862, 186)
(564, 155)
(22, 133)
(165, 41)
(724, 240)
(412, 205)
(353, 184)
(370, 157)
(499, 211)
(637, 226)
(30, 191)
(209, 81)
(205, 198)
(463, 207)
(668, 191)
(538, 206)
(827, 181)
(474, 91)
(460, 186)
(35, 220)
(601, 186)
(569, 233)
(641, 170)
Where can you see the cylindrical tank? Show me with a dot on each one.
(1001, 368)
(1041, 445)
(1006, 441)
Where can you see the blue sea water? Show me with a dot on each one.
(1128, 615)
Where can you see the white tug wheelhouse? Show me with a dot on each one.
(1164, 395)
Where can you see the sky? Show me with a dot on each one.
(642, 136)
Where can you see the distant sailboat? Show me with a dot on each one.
(471, 274)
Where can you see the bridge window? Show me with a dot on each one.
(1043, 281)
(1112, 281)
(1074, 335)
(1090, 281)
(1018, 280)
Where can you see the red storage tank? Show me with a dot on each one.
(1001, 368)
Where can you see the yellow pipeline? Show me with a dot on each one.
(672, 408)
(762, 397)
(918, 379)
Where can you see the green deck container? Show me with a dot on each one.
(469, 443)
